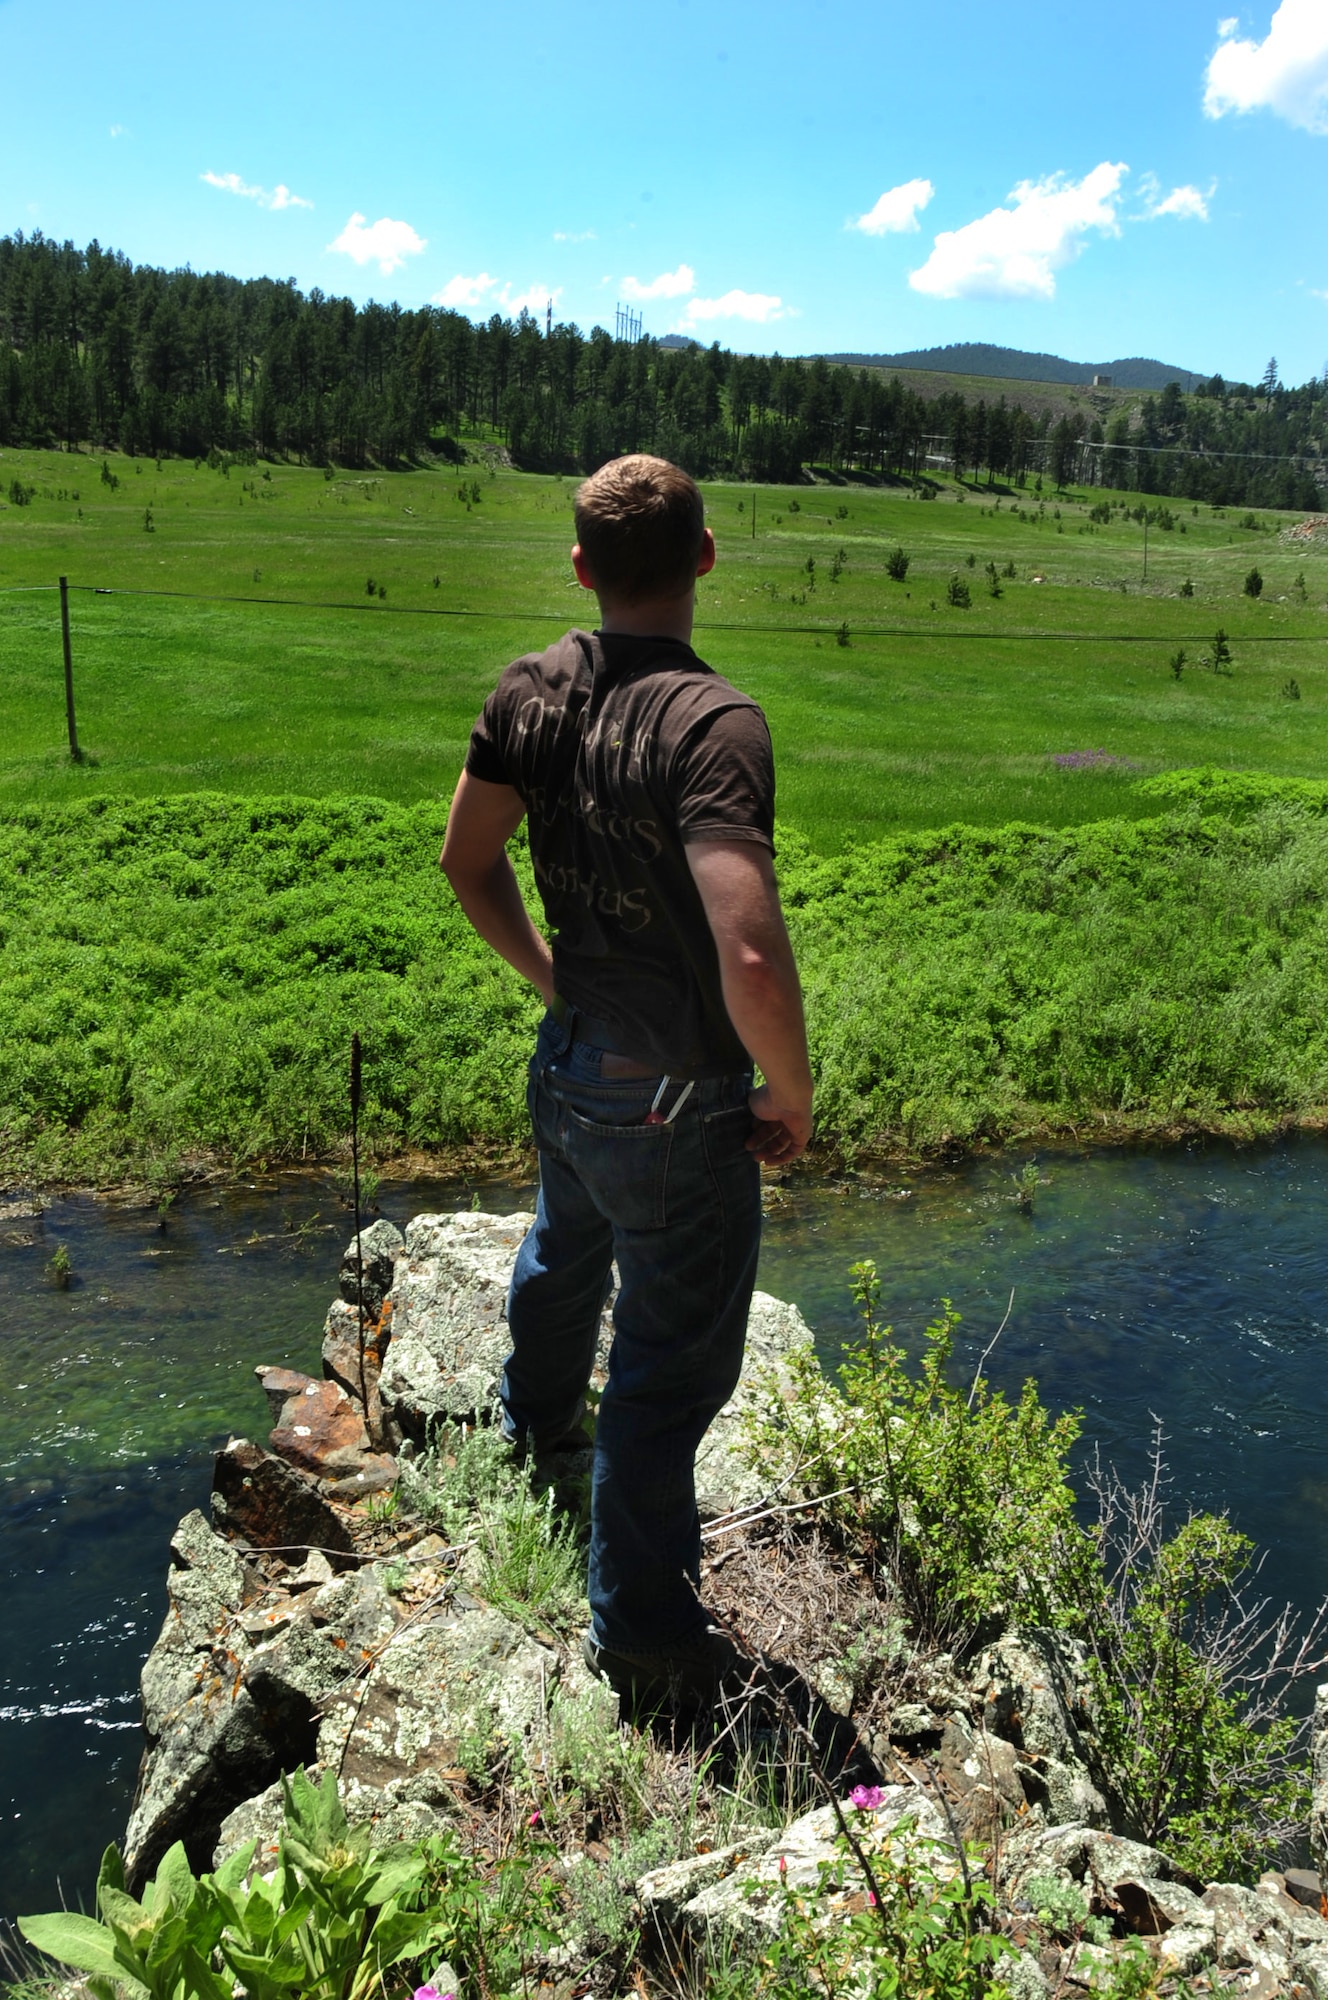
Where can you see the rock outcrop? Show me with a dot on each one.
(281, 1645)
(310, 1624)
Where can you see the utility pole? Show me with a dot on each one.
(75, 753)
(1145, 544)
(753, 513)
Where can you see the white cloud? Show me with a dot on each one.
(278, 197)
(385, 242)
(1014, 253)
(533, 300)
(1286, 73)
(1227, 28)
(463, 293)
(668, 285)
(896, 213)
(762, 307)
(575, 236)
(1186, 203)
(117, 131)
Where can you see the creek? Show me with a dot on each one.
(1189, 1285)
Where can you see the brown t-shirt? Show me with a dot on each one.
(623, 750)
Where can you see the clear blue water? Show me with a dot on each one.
(1192, 1284)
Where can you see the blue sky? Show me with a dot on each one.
(1090, 181)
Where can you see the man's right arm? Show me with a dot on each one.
(736, 883)
(474, 859)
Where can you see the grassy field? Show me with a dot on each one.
(930, 715)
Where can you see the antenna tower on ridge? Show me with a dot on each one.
(626, 323)
(548, 320)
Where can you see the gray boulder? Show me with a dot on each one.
(1319, 1781)
(380, 1246)
(206, 1749)
(748, 1898)
(1034, 1694)
(428, 1696)
(1085, 1856)
(449, 1318)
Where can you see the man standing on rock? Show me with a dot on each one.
(648, 786)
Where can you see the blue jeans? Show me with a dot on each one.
(678, 1206)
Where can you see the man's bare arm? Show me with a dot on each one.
(474, 859)
(736, 881)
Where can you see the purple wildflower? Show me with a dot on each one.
(867, 1798)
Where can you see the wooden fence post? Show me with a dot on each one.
(75, 753)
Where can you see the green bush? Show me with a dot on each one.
(1188, 1687)
(181, 977)
(960, 1495)
(331, 1921)
(964, 1500)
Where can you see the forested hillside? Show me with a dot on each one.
(94, 349)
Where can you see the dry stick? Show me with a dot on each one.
(977, 1377)
(727, 1526)
(355, 1089)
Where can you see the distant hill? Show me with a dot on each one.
(1011, 364)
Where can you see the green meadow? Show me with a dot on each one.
(242, 869)
(931, 714)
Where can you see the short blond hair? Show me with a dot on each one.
(640, 522)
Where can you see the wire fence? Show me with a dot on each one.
(825, 629)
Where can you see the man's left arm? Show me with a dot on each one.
(474, 859)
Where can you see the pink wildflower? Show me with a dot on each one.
(536, 1818)
(867, 1798)
(871, 1898)
(429, 1993)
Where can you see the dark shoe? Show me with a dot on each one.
(683, 1678)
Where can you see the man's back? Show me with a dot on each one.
(623, 750)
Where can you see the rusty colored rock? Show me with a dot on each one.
(282, 1386)
(319, 1426)
(259, 1499)
(341, 1356)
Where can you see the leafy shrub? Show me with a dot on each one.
(962, 1496)
(915, 1932)
(333, 1919)
(1190, 1684)
(957, 593)
(896, 565)
(1253, 585)
(1234, 793)
(183, 975)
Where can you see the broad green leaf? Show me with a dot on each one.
(111, 1874)
(78, 1941)
(230, 1876)
(174, 1884)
